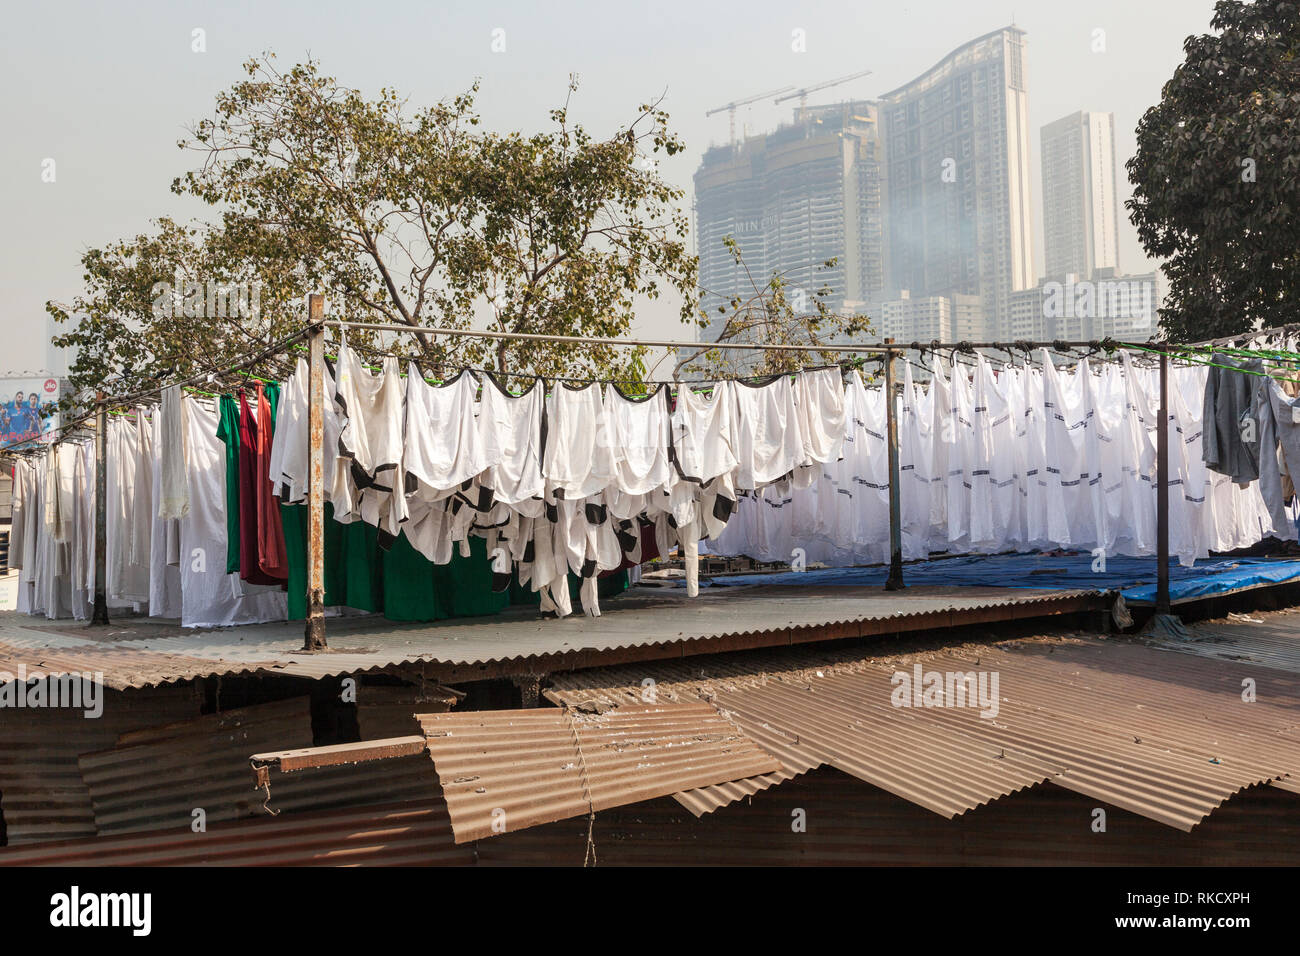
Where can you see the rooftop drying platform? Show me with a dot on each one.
(643, 624)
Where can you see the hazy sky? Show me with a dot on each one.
(106, 89)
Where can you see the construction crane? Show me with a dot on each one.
(731, 107)
(803, 93)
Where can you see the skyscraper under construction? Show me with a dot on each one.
(794, 199)
(919, 195)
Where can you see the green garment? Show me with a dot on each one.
(400, 583)
(416, 589)
(611, 585)
(228, 432)
(294, 519)
(363, 570)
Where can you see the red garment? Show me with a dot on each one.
(256, 539)
(649, 551)
(272, 555)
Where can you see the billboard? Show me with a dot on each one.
(27, 408)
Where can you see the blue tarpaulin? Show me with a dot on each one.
(1135, 578)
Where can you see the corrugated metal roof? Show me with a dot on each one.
(1270, 639)
(41, 791)
(507, 770)
(645, 623)
(402, 834)
(122, 667)
(1166, 736)
(154, 777)
(844, 822)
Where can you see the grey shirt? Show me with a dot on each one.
(1230, 427)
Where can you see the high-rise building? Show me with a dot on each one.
(1080, 204)
(932, 318)
(957, 166)
(1084, 309)
(792, 200)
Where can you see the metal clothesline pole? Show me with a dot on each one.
(895, 580)
(99, 614)
(1162, 490)
(314, 629)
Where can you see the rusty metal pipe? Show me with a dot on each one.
(314, 629)
(99, 615)
(895, 580)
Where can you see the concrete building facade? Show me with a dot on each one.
(957, 164)
(1080, 200)
(794, 199)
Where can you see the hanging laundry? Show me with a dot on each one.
(261, 547)
(210, 598)
(449, 498)
(174, 496)
(371, 441)
(1230, 440)
(765, 423)
(228, 433)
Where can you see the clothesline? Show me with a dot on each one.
(361, 501)
(207, 375)
(1178, 352)
(1191, 359)
(882, 348)
(848, 365)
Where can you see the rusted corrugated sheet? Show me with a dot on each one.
(391, 711)
(122, 667)
(826, 818)
(155, 777)
(404, 834)
(1165, 736)
(41, 791)
(1270, 639)
(507, 770)
(645, 624)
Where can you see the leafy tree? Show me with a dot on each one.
(419, 218)
(769, 313)
(165, 305)
(1216, 175)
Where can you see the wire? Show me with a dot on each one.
(278, 347)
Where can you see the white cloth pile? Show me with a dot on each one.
(172, 567)
(1032, 457)
(556, 482)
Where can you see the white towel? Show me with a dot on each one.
(174, 492)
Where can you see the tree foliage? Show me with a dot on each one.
(1216, 175)
(769, 312)
(415, 217)
(134, 325)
